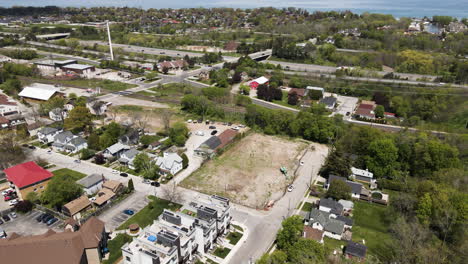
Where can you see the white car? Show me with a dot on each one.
(290, 188)
(199, 133)
(13, 215)
(189, 121)
(49, 151)
(13, 202)
(7, 191)
(302, 163)
(236, 128)
(115, 171)
(147, 181)
(92, 199)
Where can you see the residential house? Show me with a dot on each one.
(104, 196)
(28, 177)
(169, 163)
(355, 251)
(97, 107)
(171, 65)
(71, 225)
(259, 81)
(75, 208)
(33, 129)
(85, 246)
(329, 102)
(7, 106)
(214, 143)
(348, 222)
(62, 139)
(47, 134)
(91, 183)
(130, 138)
(69, 105)
(347, 205)
(231, 46)
(154, 146)
(76, 144)
(39, 92)
(115, 150)
(15, 119)
(456, 27)
(127, 157)
(114, 186)
(58, 114)
(364, 176)
(355, 187)
(366, 110)
(226, 137)
(330, 206)
(301, 92)
(309, 232)
(4, 58)
(321, 220)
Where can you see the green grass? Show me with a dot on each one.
(333, 244)
(307, 207)
(130, 108)
(74, 174)
(284, 101)
(221, 252)
(114, 247)
(234, 237)
(237, 227)
(370, 225)
(149, 213)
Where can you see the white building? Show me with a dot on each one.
(128, 156)
(39, 91)
(7, 106)
(362, 175)
(47, 134)
(91, 183)
(58, 114)
(169, 163)
(115, 150)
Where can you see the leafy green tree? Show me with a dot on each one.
(339, 190)
(379, 111)
(306, 251)
(413, 61)
(277, 257)
(61, 190)
(336, 164)
(78, 119)
(424, 210)
(293, 98)
(93, 141)
(178, 134)
(86, 154)
(290, 232)
(141, 162)
(382, 158)
(33, 197)
(185, 161)
(130, 185)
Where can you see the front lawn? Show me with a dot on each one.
(221, 252)
(307, 207)
(234, 237)
(149, 213)
(114, 246)
(74, 174)
(370, 225)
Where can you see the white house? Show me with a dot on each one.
(91, 183)
(58, 114)
(115, 150)
(62, 139)
(128, 156)
(97, 107)
(7, 106)
(330, 206)
(320, 220)
(47, 134)
(360, 175)
(169, 163)
(347, 205)
(76, 144)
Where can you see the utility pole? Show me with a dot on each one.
(110, 41)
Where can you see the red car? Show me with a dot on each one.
(8, 198)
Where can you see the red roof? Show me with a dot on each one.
(27, 173)
(300, 92)
(227, 136)
(389, 114)
(367, 106)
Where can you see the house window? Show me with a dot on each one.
(128, 258)
(42, 187)
(35, 189)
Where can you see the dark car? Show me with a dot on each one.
(123, 174)
(32, 147)
(155, 184)
(229, 124)
(212, 127)
(51, 221)
(128, 212)
(6, 218)
(47, 218)
(25, 145)
(40, 217)
(214, 132)
(1, 221)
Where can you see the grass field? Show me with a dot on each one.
(221, 252)
(74, 174)
(248, 172)
(149, 213)
(370, 225)
(234, 237)
(114, 246)
(307, 207)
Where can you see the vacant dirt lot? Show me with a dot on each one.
(249, 172)
(152, 117)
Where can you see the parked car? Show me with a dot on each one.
(212, 127)
(235, 128)
(47, 218)
(302, 163)
(123, 174)
(8, 198)
(41, 217)
(199, 133)
(13, 202)
(51, 221)
(77, 161)
(290, 188)
(147, 181)
(25, 145)
(49, 151)
(128, 212)
(155, 184)
(6, 218)
(13, 215)
(32, 147)
(189, 121)
(214, 132)
(7, 191)
(115, 171)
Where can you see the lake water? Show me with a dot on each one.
(398, 8)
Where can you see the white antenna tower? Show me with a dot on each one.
(110, 41)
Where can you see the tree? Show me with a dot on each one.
(166, 119)
(339, 190)
(178, 134)
(382, 158)
(336, 164)
(130, 185)
(290, 232)
(99, 159)
(185, 161)
(171, 193)
(141, 162)
(93, 141)
(61, 190)
(379, 111)
(24, 206)
(78, 119)
(306, 251)
(33, 197)
(11, 152)
(293, 98)
(165, 69)
(277, 257)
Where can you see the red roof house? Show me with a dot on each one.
(28, 177)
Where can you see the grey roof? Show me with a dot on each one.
(355, 187)
(330, 203)
(64, 136)
(355, 249)
(168, 160)
(47, 130)
(211, 143)
(329, 101)
(348, 221)
(131, 153)
(329, 224)
(130, 138)
(59, 145)
(76, 141)
(90, 180)
(117, 147)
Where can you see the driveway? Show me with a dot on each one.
(346, 104)
(114, 216)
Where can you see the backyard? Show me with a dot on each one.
(74, 174)
(249, 172)
(114, 246)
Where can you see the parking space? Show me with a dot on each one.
(114, 216)
(26, 224)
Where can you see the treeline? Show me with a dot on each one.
(29, 11)
(21, 54)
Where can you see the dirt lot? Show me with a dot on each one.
(248, 173)
(152, 116)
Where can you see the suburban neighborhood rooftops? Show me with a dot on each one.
(355, 249)
(76, 141)
(112, 185)
(362, 173)
(77, 205)
(336, 207)
(348, 221)
(117, 147)
(329, 101)
(226, 137)
(47, 130)
(27, 173)
(64, 136)
(312, 233)
(315, 88)
(5, 101)
(329, 224)
(346, 204)
(39, 91)
(55, 62)
(103, 196)
(90, 180)
(52, 247)
(299, 91)
(167, 161)
(211, 143)
(355, 187)
(131, 153)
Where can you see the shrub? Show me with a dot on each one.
(24, 206)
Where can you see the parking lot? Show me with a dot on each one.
(114, 216)
(26, 225)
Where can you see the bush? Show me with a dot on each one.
(87, 154)
(24, 206)
(99, 159)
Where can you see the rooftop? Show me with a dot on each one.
(362, 173)
(355, 249)
(26, 174)
(39, 91)
(78, 204)
(77, 66)
(90, 180)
